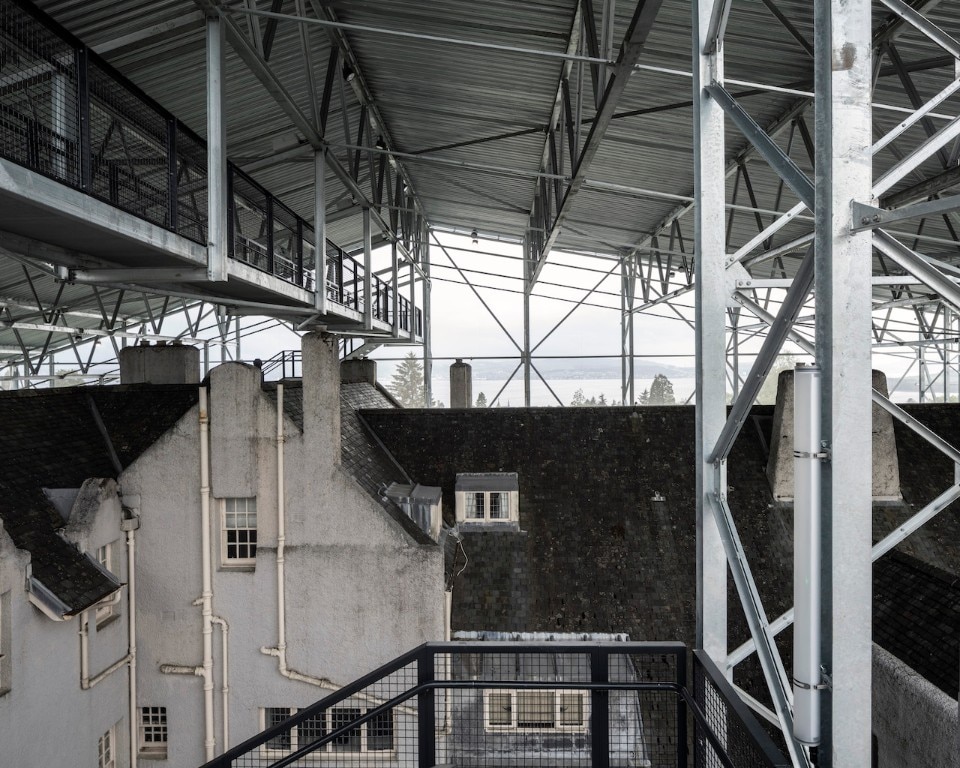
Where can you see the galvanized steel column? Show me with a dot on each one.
(527, 287)
(320, 231)
(217, 246)
(368, 298)
(427, 342)
(710, 334)
(843, 267)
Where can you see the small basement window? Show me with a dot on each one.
(375, 735)
(153, 732)
(488, 498)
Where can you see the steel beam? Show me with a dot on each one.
(789, 312)
(630, 51)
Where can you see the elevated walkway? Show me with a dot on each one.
(101, 181)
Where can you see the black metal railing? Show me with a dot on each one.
(493, 704)
(288, 363)
(67, 114)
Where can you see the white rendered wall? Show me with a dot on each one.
(359, 590)
(46, 719)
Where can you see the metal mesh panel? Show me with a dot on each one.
(737, 736)
(191, 187)
(354, 731)
(39, 118)
(508, 721)
(128, 149)
(251, 225)
(645, 728)
(309, 257)
(286, 245)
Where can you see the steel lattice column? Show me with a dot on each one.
(843, 268)
(710, 334)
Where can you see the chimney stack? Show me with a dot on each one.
(461, 385)
(164, 363)
(358, 371)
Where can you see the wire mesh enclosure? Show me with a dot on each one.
(514, 705)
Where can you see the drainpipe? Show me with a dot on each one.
(281, 534)
(225, 690)
(206, 596)
(281, 650)
(87, 682)
(132, 642)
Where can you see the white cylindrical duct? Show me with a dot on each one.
(807, 455)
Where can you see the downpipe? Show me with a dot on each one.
(206, 596)
(280, 652)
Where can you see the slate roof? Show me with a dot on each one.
(596, 551)
(51, 439)
(916, 616)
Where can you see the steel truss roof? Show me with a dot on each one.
(564, 122)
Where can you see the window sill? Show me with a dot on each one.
(239, 567)
(104, 623)
(500, 526)
(152, 755)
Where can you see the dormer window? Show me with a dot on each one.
(488, 498)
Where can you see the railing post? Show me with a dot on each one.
(231, 222)
(270, 259)
(299, 260)
(368, 297)
(84, 153)
(599, 709)
(172, 172)
(426, 714)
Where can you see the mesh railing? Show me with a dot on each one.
(726, 735)
(514, 705)
(67, 114)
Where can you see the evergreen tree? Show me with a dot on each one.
(578, 398)
(481, 400)
(602, 400)
(644, 398)
(406, 384)
(661, 391)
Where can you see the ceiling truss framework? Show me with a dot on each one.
(584, 126)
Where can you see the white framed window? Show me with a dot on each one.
(153, 732)
(106, 608)
(375, 735)
(238, 545)
(536, 710)
(488, 498)
(106, 749)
